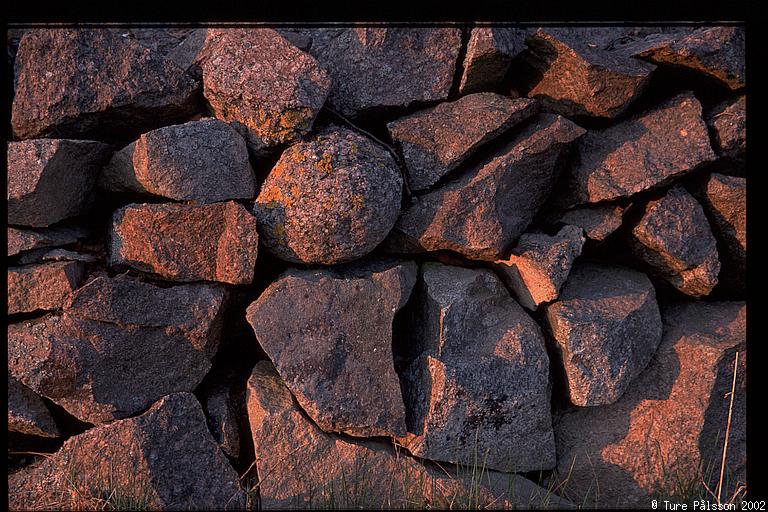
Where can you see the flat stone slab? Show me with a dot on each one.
(164, 459)
(21, 240)
(437, 140)
(327, 348)
(42, 287)
(606, 325)
(478, 381)
(158, 340)
(481, 213)
(27, 413)
(490, 51)
(179, 242)
(675, 239)
(643, 152)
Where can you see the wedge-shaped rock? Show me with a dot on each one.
(597, 221)
(539, 265)
(46, 286)
(27, 413)
(725, 202)
(120, 346)
(328, 348)
(46, 255)
(581, 73)
(674, 238)
(643, 152)
(200, 161)
(214, 242)
(479, 384)
(437, 140)
(607, 326)
(670, 425)
(21, 240)
(482, 213)
(223, 406)
(164, 459)
(330, 199)
(86, 83)
(716, 52)
(51, 179)
(490, 51)
(300, 466)
(728, 123)
(384, 68)
(256, 77)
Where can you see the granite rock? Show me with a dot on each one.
(42, 287)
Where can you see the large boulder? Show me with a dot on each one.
(478, 384)
(437, 140)
(375, 69)
(300, 466)
(330, 199)
(156, 340)
(539, 265)
(481, 213)
(257, 78)
(643, 152)
(328, 347)
(179, 242)
(51, 179)
(42, 287)
(725, 202)
(582, 74)
(668, 428)
(674, 238)
(200, 161)
(95, 83)
(164, 459)
(715, 52)
(490, 51)
(606, 326)
(27, 413)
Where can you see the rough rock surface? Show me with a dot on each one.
(482, 213)
(164, 459)
(581, 73)
(643, 152)
(380, 68)
(597, 221)
(330, 199)
(479, 384)
(223, 409)
(213, 242)
(490, 51)
(160, 40)
(319, 470)
(21, 240)
(27, 413)
(43, 255)
(51, 179)
(674, 238)
(671, 419)
(84, 83)
(728, 123)
(539, 265)
(256, 77)
(437, 140)
(157, 340)
(607, 325)
(725, 202)
(328, 348)
(200, 161)
(716, 52)
(46, 286)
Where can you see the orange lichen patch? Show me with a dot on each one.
(272, 197)
(325, 164)
(357, 200)
(278, 230)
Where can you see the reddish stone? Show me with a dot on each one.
(27, 413)
(490, 51)
(46, 286)
(214, 242)
(728, 123)
(21, 240)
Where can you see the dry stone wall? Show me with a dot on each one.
(375, 267)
